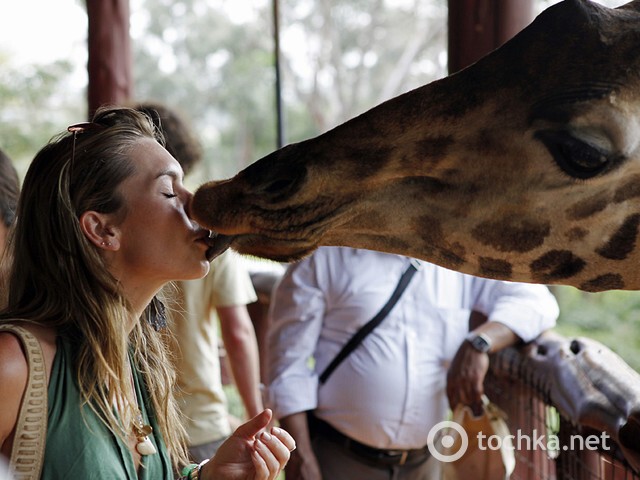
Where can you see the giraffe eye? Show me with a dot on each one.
(574, 156)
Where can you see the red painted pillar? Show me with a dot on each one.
(477, 27)
(109, 43)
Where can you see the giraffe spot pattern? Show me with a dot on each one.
(368, 161)
(629, 190)
(455, 254)
(433, 148)
(512, 234)
(609, 281)
(449, 255)
(588, 207)
(556, 265)
(495, 268)
(576, 234)
(623, 241)
(485, 143)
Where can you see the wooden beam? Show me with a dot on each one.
(110, 62)
(476, 27)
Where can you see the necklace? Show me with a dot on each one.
(140, 429)
(142, 432)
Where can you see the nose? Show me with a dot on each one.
(188, 201)
(188, 205)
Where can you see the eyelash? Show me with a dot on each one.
(170, 195)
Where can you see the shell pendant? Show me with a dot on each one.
(145, 447)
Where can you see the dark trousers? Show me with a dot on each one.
(337, 463)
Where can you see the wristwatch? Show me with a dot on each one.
(479, 341)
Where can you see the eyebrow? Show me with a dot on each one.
(170, 173)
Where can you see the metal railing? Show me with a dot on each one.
(569, 390)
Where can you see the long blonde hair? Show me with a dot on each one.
(58, 279)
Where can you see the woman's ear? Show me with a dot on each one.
(98, 229)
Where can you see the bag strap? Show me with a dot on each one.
(31, 428)
(368, 327)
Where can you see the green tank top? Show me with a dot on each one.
(80, 446)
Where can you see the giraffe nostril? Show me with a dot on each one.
(575, 347)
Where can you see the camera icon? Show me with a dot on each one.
(447, 441)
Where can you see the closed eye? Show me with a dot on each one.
(170, 195)
(576, 157)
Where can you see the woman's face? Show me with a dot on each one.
(158, 242)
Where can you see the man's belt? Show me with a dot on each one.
(373, 456)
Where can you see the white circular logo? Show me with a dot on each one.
(442, 430)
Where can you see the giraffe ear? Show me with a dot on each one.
(99, 230)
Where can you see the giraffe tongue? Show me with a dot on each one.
(217, 244)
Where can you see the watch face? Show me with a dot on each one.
(480, 343)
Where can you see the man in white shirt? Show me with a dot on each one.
(376, 409)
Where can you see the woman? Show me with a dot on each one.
(9, 191)
(102, 225)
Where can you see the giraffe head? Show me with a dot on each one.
(525, 166)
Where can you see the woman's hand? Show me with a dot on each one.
(251, 453)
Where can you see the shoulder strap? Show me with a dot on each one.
(31, 428)
(368, 327)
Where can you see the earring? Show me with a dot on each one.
(157, 314)
(105, 244)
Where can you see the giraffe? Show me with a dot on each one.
(524, 166)
(586, 381)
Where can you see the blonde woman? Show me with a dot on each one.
(102, 225)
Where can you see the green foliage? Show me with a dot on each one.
(338, 59)
(35, 104)
(192, 55)
(612, 318)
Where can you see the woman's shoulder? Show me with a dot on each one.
(14, 372)
(13, 363)
(46, 336)
(14, 368)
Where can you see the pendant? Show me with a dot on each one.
(145, 447)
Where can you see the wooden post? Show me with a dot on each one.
(476, 27)
(109, 43)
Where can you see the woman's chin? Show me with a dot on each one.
(195, 273)
(206, 266)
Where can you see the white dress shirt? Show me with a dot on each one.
(390, 391)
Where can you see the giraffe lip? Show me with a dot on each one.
(273, 248)
(217, 243)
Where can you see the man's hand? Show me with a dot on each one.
(303, 467)
(465, 377)
(303, 464)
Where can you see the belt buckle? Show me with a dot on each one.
(403, 458)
